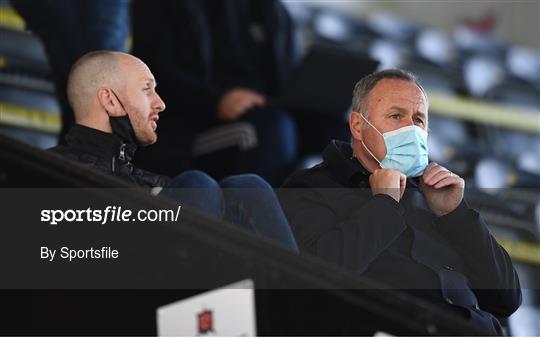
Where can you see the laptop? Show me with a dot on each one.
(227, 311)
(324, 82)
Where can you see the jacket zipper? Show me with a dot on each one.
(121, 156)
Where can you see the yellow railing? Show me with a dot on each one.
(495, 114)
(17, 116)
(526, 252)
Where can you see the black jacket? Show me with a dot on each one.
(107, 152)
(451, 260)
(198, 50)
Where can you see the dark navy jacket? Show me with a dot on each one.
(452, 260)
(200, 49)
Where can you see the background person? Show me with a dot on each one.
(222, 62)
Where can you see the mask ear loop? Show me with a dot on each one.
(365, 147)
(121, 104)
(380, 165)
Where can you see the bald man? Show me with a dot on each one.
(116, 110)
(112, 83)
(116, 106)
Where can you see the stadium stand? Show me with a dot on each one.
(483, 127)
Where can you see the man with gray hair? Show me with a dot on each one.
(377, 207)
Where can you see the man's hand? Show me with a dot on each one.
(237, 102)
(390, 182)
(442, 189)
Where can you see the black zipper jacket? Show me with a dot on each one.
(108, 153)
(452, 261)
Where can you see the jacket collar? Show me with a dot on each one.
(97, 143)
(339, 159)
(348, 170)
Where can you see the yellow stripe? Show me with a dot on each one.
(467, 109)
(10, 18)
(29, 118)
(474, 110)
(526, 252)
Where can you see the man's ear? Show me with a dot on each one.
(356, 125)
(108, 100)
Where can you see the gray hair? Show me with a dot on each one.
(367, 83)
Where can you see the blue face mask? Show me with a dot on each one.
(406, 150)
